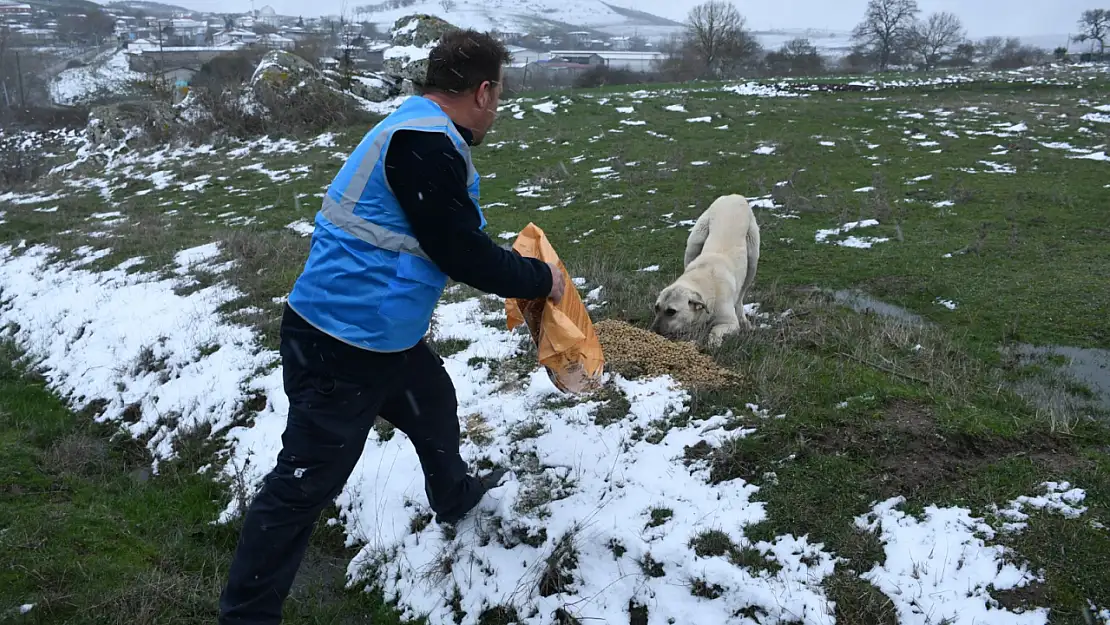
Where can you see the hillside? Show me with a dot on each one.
(154, 9)
(62, 5)
(513, 15)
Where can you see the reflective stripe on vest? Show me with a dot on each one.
(378, 236)
(342, 213)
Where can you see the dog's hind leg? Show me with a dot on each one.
(696, 241)
(750, 271)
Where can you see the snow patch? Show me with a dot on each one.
(823, 236)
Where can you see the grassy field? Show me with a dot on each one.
(989, 228)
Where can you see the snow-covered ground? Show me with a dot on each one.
(107, 73)
(602, 513)
(605, 513)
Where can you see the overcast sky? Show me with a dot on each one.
(981, 17)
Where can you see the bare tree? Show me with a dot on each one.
(677, 64)
(1094, 25)
(987, 49)
(5, 38)
(313, 48)
(716, 36)
(89, 28)
(886, 26)
(1014, 54)
(964, 55)
(936, 36)
(797, 57)
(448, 5)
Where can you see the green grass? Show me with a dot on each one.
(874, 407)
(89, 536)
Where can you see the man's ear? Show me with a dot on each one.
(482, 93)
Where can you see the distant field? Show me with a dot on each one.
(913, 467)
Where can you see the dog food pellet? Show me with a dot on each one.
(627, 347)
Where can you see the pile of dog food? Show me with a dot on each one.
(634, 351)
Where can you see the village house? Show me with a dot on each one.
(575, 57)
(234, 36)
(14, 8)
(626, 60)
(275, 41)
(183, 32)
(37, 35)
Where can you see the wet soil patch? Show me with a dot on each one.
(904, 444)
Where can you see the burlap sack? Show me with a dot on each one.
(564, 335)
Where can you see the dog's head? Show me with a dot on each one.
(680, 312)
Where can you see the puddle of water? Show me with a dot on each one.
(863, 303)
(1089, 367)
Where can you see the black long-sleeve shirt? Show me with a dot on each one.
(428, 176)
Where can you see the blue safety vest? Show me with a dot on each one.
(366, 281)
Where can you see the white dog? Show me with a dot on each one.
(722, 252)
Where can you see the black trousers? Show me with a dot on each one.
(336, 392)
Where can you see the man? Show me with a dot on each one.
(400, 218)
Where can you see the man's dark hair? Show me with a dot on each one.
(463, 60)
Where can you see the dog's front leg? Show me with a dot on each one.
(724, 323)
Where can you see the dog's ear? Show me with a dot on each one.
(697, 304)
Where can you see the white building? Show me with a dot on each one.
(268, 16)
(276, 41)
(237, 35)
(14, 8)
(138, 45)
(39, 35)
(631, 61)
(522, 56)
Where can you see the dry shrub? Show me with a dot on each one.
(19, 167)
(43, 118)
(27, 135)
(227, 71)
(309, 111)
(602, 75)
(78, 454)
(640, 352)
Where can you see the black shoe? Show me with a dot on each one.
(485, 483)
(490, 480)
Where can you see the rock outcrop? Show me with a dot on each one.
(282, 78)
(405, 61)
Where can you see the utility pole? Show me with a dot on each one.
(19, 72)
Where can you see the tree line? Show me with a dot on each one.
(716, 43)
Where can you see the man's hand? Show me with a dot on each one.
(558, 283)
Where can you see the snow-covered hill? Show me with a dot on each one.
(519, 15)
(107, 73)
